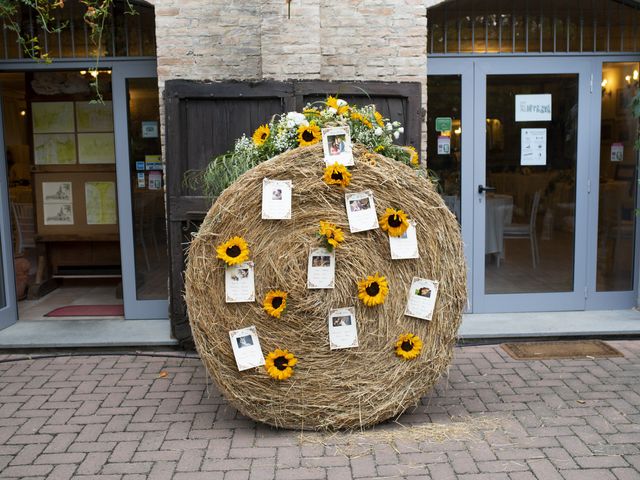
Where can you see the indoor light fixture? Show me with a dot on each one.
(23, 113)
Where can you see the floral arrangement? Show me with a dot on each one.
(294, 129)
(330, 235)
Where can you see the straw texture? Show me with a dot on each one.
(347, 388)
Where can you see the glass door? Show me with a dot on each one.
(140, 191)
(450, 151)
(531, 184)
(8, 306)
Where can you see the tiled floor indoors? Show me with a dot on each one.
(71, 292)
(126, 417)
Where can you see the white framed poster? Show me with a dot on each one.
(421, 299)
(406, 245)
(361, 211)
(239, 283)
(276, 199)
(94, 116)
(52, 117)
(96, 148)
(246, 348)
(533, 146)
(533, 108)
(343, 331)
(336, 142)
(58, 213)
(57, 192)
(321, 268)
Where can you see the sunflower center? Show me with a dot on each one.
(336, 176)
(395, 221)
(308, 135)
(233, 251)
(407, 346)
(373, 289)
(281, 363)
(276, 302)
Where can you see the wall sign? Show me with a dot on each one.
(443, 124)
(617, 152)
(150, 129)
(534, 146)
(444, 145)
(533, 108)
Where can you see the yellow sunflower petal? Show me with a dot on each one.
(233, 251)
(337, 174)
(394, 222)
(309, 135)
(261, 134)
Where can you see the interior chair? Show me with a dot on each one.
(527, 230)
(24, 225)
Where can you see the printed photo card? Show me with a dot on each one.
(336, 142)
(406, 246)
(246, 348)
(321, 269)
(276, 199)
(361, 211)
(239, 283)
(422, 298)
(343, 332)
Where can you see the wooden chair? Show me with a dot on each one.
(527, 230)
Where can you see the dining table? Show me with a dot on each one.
(498, 213)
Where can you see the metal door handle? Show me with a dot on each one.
(482, 189)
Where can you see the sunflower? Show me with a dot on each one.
(378, 118)
(275, 302)
(336, 174)
(373, 290)
(261, 134)
(279, 364)
(355, 116)
(408, 346)
(233, 251)
(379, 148)
(340, 106)
(308, 135)
(395, 222)
(413, 155)
(313, 112)
(332, 235)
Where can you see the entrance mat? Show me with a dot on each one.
(88, 311)
(560, 349)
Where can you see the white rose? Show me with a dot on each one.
(378, 131)
(341, 103)
(389, 127)
(291, 124)
(396, 135)
(396, 124)
(332, 110)
(401, 129)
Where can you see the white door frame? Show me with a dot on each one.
(8, 300)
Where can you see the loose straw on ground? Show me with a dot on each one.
(348, 388)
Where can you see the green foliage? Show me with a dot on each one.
(95, 16)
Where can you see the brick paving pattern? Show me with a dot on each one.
(120, 417)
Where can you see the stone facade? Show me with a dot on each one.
(325, 40)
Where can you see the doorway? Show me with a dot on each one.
(60, 161)
(545, 200)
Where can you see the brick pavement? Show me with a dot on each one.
(117, 417)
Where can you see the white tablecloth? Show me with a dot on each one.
(499, 212)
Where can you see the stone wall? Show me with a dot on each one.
(323, 39)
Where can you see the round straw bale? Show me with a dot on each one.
(330, 389)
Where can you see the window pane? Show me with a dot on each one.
(618, 179)
(147, 189)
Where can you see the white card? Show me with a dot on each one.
(239, 284)
(321, 269)
(58, 213)
(422, 298)
(361, 211)
(336, 142)
(276, 199)
(405, 246)
(246, 348)
(57, 192)
(343, 332)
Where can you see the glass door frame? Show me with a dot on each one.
(529, 302)
(463, 67)
(121, 70)
(8, 307)
(614, 299)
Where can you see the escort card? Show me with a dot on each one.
(336, 142)
(239, 283)
(405, 246)
(422, 298)
(276, 199)
(361, 211)
(343, 332)
(321, 269)
(246, 348)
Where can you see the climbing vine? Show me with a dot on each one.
(96, 14)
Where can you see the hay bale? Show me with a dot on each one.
(340, 388)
